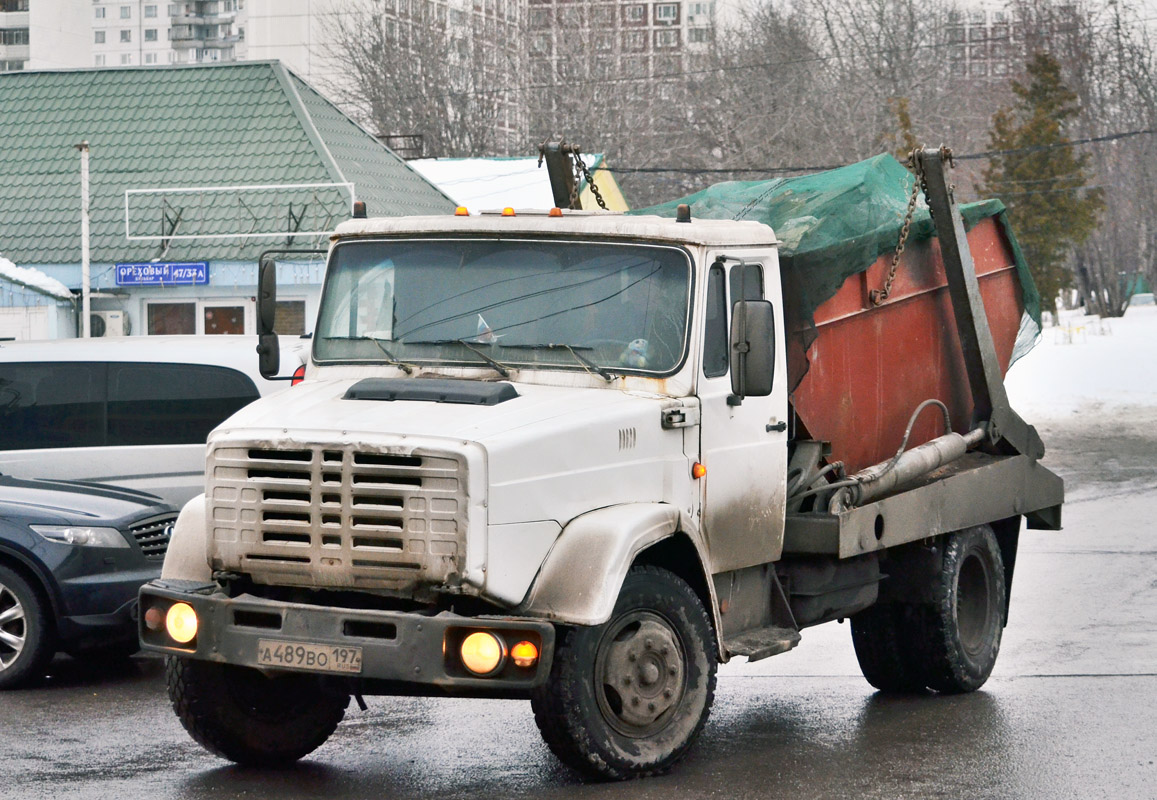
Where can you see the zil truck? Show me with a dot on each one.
(584, 458)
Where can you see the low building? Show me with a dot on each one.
(194, 172)
(33, 305)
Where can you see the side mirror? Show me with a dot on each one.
(268, 351)
(752, 350)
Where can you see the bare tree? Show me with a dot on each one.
(428, 75)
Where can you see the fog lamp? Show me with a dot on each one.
(181, 623)
(482, 653)
(524, 654)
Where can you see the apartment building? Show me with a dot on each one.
(631, 38)
(146, 32)
(987, 43)
(44, 34)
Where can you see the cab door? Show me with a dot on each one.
(743, 444)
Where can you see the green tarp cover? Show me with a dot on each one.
(835, 224)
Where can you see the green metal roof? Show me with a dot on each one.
(152, 128)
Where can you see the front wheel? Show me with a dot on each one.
(629, 697)
(26, 631)
(243, 715)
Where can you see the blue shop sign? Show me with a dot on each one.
(174, 273)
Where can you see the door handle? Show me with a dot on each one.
(778, 427)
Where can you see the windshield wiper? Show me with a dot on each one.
(500, 368)
(391, 359)
(603, 372)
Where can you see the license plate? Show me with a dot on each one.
(318, 657)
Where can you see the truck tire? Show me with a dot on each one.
(629, 697)
(240, 714)
(882, 636)
(963, 624)
(26, 631)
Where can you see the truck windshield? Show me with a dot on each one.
(527, 303)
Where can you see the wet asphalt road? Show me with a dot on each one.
(1070, 712)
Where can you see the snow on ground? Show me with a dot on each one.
(1087, 365)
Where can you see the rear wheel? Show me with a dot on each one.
(26, 631)
(883, 638)
(243, 715)
(629, 697)
(963, 625)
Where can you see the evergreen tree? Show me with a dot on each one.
(1040, 178)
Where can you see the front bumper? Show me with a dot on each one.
(396, 647)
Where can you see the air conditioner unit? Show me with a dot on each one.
(108, 323)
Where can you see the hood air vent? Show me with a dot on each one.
(472, 393)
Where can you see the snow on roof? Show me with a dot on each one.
(489, 183)
(33, 279)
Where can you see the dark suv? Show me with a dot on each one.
(72, 557)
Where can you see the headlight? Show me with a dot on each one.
(82, 535)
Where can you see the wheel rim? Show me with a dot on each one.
(640, 674)
(13, 627)
(974, 604)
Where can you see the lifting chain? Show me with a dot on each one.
(878, 296)
(919, 184)
(581, 171)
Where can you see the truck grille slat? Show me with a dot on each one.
(298, 516)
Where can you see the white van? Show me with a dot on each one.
(132, 411)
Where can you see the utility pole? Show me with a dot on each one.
(84, 262)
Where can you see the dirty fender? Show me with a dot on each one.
(186, 558)
(581, 577)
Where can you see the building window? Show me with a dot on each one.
(540, 44)
(539, 18)
(667, 38)
(126, 12)
(14, 36)
(697, 10)
(289, 317)
(150, 58)
(150, 12)
(98, 60)
(126, 36)
(126, 58)
(150, 34)
(603, 16)
(604, 41)
(667, 13)
(98, 12)
(634, 14)
(98, 37)
(634, 41)
(698, 35)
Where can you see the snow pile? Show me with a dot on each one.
(1086, 364)
(33, 279)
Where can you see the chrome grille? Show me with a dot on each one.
(153, 535)
(324, 516)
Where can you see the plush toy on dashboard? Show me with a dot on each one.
(635, 354)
